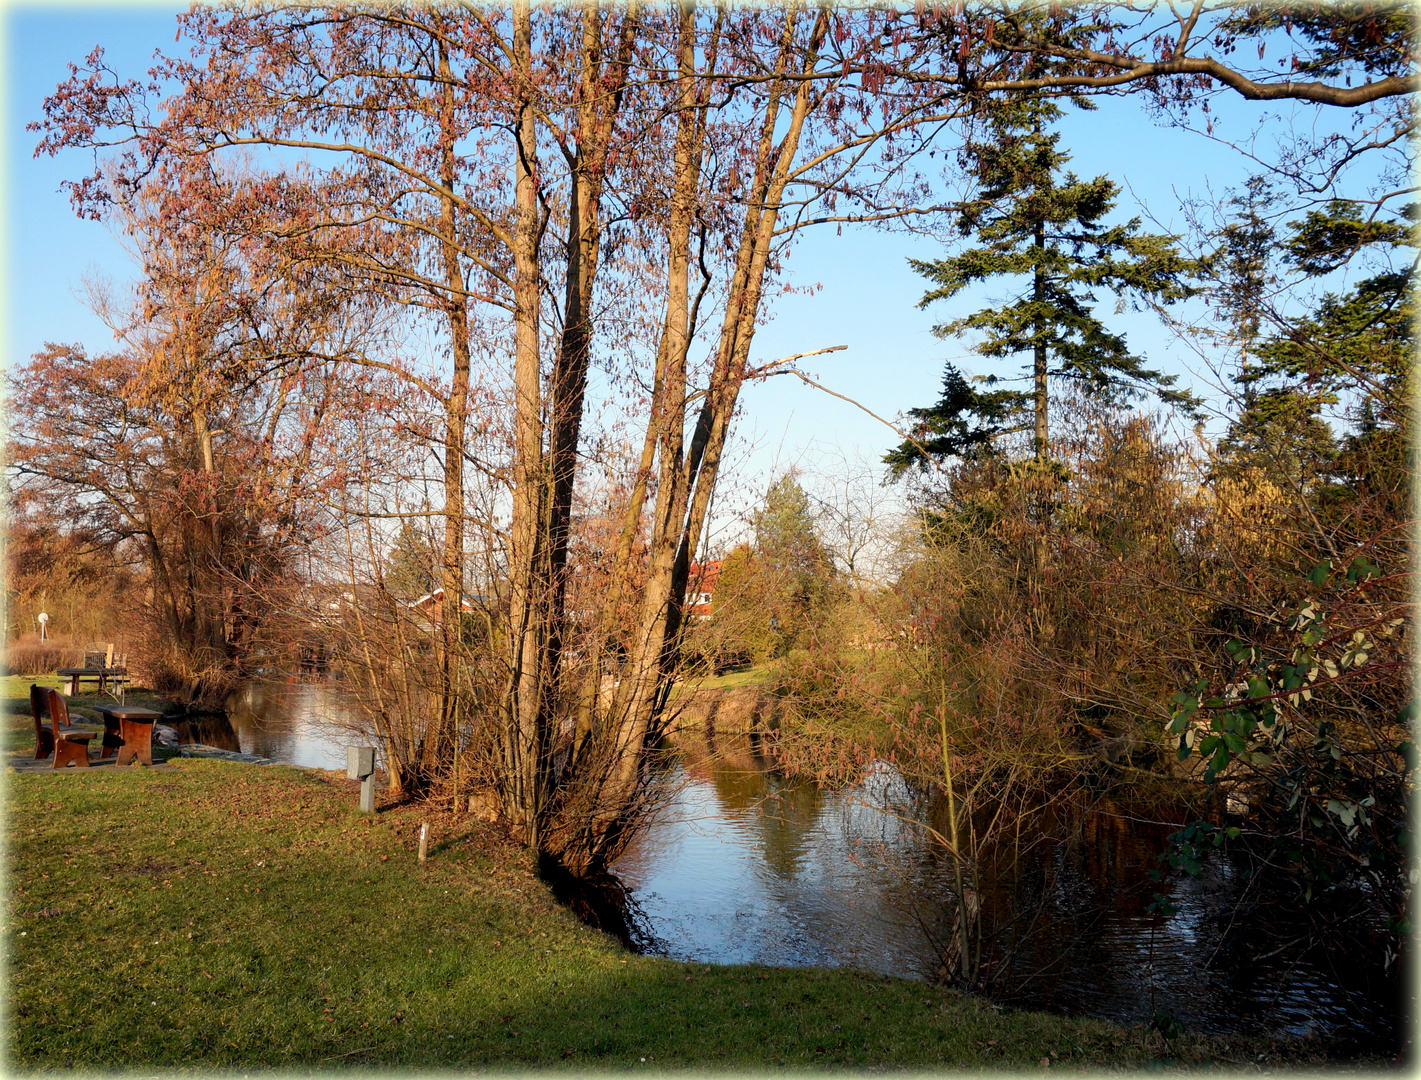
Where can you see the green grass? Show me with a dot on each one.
(17, 689)
(750, 675)
(219, 915)
(16, 695)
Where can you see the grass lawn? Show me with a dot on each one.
(218, 915)
(749, 675)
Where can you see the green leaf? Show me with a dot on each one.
(1362, 569)
(1407, 750)
(1346, 812)
(1160, 905)
(1320, 572)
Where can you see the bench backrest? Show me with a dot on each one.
(58, 712)
(98, 654)
(39, 705)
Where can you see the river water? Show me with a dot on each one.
(294, 721)
(740, 866)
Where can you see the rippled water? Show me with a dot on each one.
(740, 867)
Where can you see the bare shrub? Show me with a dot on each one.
(28, 655)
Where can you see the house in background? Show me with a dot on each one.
(700, 588)
(429, 608)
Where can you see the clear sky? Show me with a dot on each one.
(867, 293)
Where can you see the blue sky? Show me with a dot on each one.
(867, 293)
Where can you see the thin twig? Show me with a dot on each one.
(858, 404)
(347, 1053)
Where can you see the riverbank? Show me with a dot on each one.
(216, 916)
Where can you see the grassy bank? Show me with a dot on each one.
(217, 915)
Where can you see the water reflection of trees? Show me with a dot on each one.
(210, 729)
(1062, 892)
(780, 814)
(288, 721)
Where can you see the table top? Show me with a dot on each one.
(92, 671)
(128, 712)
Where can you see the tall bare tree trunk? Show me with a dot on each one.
(441, 735)
(600, 98)
(522, 736)
(668, 403)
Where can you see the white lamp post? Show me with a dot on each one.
(43, 620)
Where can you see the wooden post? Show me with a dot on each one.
(423, 840)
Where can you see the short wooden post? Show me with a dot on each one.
(423, 840)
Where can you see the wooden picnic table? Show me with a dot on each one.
(128, 729)
(102, 674)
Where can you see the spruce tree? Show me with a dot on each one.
(1352, 355)
(1043, 227)
(410, 569)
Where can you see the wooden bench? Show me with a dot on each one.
(69, 744)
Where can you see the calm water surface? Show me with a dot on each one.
(294, 721)
(740, 867)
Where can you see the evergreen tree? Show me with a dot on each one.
(1243, 264)
(1043, 227)
(785, 535)
(411, 570)
(798, 573)
(1354, 353)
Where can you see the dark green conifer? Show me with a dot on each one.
(1044, 228)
